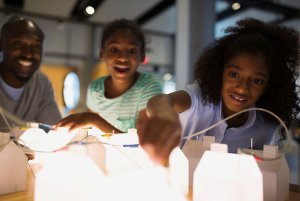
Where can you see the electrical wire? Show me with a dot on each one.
(238, 113)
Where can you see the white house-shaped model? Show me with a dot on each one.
(193, 150)
(226, 176)
(13, 168)
(275, 171)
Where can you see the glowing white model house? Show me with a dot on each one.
(13, 168)
(179, 171)
(275, 171)
(225, 176)
(193, 150)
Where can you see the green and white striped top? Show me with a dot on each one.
(122, 111)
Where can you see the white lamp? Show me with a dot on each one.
(179, 171)
(193, 150)
(68, 176)
(225, 176)
(275, 171)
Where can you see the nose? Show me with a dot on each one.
(123, 56)
(243, 85)
(27, 51)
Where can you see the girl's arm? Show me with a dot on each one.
(86, 119)
(158, 126)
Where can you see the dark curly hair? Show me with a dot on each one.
(279, 46)
(120, 24)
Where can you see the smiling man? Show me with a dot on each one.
(24, 91)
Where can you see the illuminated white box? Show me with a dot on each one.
(142, 185)
(226, 176)
(68, 176)
(193, 150)
(95, 151)
(275, 171)
(179, 171)
(13, 168)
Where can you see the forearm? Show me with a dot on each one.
(159, 130)
(160, 106)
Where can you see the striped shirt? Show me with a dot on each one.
(122, 111)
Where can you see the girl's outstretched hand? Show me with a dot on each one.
(79, 120)
(159, 134)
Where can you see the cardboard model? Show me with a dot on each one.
(13, 167)
(275, 171)
(193, 150)
(226, 176)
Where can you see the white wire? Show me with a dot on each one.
(238, 113)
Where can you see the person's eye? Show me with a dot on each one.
(113, 50)
(233, 74)
(17, 43)
(133, 51)
(258, 81)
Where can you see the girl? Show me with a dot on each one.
(115, 100)
(252, 66)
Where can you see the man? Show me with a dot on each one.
(24, 91)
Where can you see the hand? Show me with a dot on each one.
(79, 120)
(159, 134)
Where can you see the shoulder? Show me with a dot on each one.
(194, 91)
(147, 79)
(97, 83)
(40, 79)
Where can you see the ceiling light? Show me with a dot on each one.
(89, 10)
(236, 6)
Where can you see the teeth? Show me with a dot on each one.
(240, 99)
(25, 63)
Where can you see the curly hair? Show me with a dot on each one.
(120, 24)
(279, 45)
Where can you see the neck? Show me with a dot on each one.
(238, 120)
(10, 79)
(115, 88)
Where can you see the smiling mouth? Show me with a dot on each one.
(25, 63)
(121, 69)
(238, 99)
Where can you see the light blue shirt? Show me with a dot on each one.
(200, 116)
(13, 93)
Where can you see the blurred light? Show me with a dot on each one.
(236, 6)
(71, 90)
(90, 10)
(167, 77)
(146, 60)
